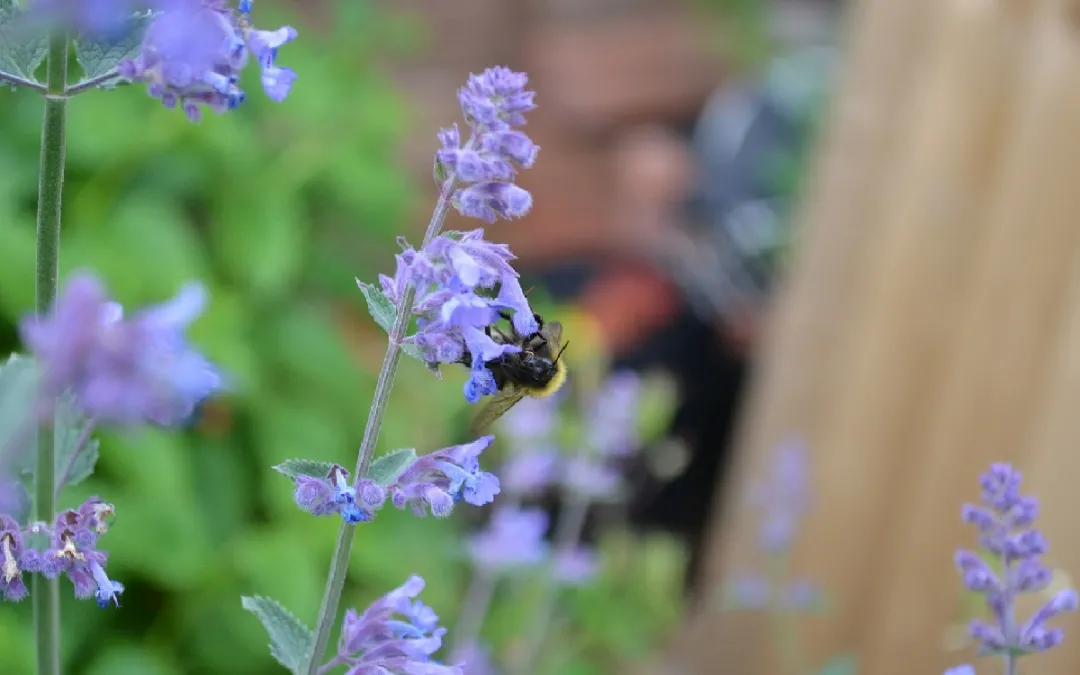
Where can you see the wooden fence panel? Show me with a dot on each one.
(929, 328)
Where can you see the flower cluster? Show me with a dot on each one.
(122, 371)
(433, 482)
(781, 499)
(494, 102)
(395, 635)
(1005, 522)
(71, 551)
(194, 51)
(455, 277)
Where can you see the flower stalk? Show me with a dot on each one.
(50, 189)
(335, 580)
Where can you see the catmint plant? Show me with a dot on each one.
(515, 542)
(453, 289)
(781, 499)
(1005, 520)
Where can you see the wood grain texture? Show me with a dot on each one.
(929, 327)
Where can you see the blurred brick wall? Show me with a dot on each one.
(602, 68)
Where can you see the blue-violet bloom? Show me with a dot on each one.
(72, 551)
(194, 51)
(513, 539)
(124, 371)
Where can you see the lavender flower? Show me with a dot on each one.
(434, 482)
(456, 303)
(1005, 523)
(612, 417)
(94, 17)
(12, 560)
(783, 497)
(575, 566)
(960, 670)
(514, 539)
(193, 54)
(394, 636)
(122, 371)
(437, 480)
(474, 660)
(530, 471)
(493, 103)
(72, 551)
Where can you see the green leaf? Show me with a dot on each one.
(304, 467)
(99, 55)
(76, 452)
(844, 664)
(22, 49)
(386, 469)
(18, 387)
(290, 641)
(384, 313)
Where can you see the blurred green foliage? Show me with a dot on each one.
(276, 207)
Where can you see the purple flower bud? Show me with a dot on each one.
(493, 200)
(435, 480)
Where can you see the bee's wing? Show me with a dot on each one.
(496, 407)
(553, 330)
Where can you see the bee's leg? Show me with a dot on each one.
(539, 321)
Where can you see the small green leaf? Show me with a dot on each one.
(456, 235)
(100, 55)
(844, 664)
(290, 640)
(304, 467)
(22, 48)
(384, 313)
(18, 386)
(76, 452)
(386, 469)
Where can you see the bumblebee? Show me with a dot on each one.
(537, 370)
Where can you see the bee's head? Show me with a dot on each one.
(538, 364)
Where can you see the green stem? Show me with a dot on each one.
(46, 593)
(335, 580)
(567, 536)
(784, 622)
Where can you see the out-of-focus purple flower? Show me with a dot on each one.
(756, 592)
(89, 17)
(591, 477)
(960, 670)
(12, 560)
(494, 102)
(437, 480)
(513, 539)
(612, 417)
(474, 660)
(194, 51)
(434, 482)
(394, 636)
(72, 551)
(783, 497)
(455, 278)
(1004, 521)
(530, 422)
(530, 471)
(575, 567)
(123, 371)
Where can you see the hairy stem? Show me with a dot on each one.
(335, 580)
(92, 82)
(46, 593)
(567, 536)
(22, 82)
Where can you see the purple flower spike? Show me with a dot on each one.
(194, 51)
(494, 102)
(1004, 520)
(333, 495)
(123, 371)
(456, 303)
(394, 636)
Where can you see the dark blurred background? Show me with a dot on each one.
(672, 138)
